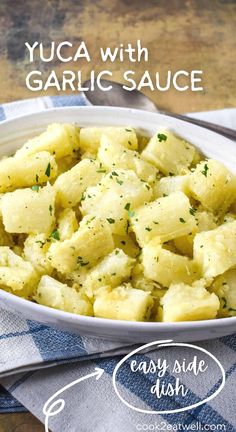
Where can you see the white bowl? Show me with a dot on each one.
(13, 133)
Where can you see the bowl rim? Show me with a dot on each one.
(67, 317)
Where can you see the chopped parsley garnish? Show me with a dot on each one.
(225, 302)
(148, 229)
(50, 210)
(48, 170)
(182, 220)
(204, 172)
(37, 178)
(128, 130)
(42, 243)
(114, 173)
(81, 262)
(127, 206)
(55, 234)
(35, 188)
(131, 213)
(120, 182)
(101, 171)
(161, 137)
(110, 220)
(192, 211)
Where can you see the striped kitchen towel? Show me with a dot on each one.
(27, 349)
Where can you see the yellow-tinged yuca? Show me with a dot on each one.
(66, 163)
(35, 250)
(128, 244)
(91, 242)
(76, 277)
(26, 171)
(205, 221)
(70, 185)
(113, 156)
(112, 270)
(224, 286)
(213, 185)
(169, 153)
(167, 185)
(166, 218)
(166, 267)
(57, 295)
(183, 302)
(16, 273)
(139, 281)
(114, 199)
(29, 211)
(123, 303)
(59, 139)
(229, 217)
(6, 239)
(157, 311)
(90, 137)
(67, 223)
(215, 250)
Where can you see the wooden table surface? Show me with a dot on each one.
(180, 34)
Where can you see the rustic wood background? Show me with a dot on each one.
(180, 34)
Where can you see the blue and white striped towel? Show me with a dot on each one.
(27, 349)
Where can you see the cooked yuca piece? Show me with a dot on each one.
(229, 217)
(183, 302)
(215, 250)
(139, 281)
(29, 211)
(16, 273)
(114, 269)
(90, 137)
(157, 311)
(59, 139)
(35, 251)
(206, 221)
(70, 185)
(113, 155)
(66, 163)
(166, 267)
(57, 295)
(224, 286)
(67, 224)
(26, 171)
(123, 303)
(213, 185)
(166, 218)
(91, 242)
(114, 199)
(167, 185)
(128, 244)
(169, 153)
